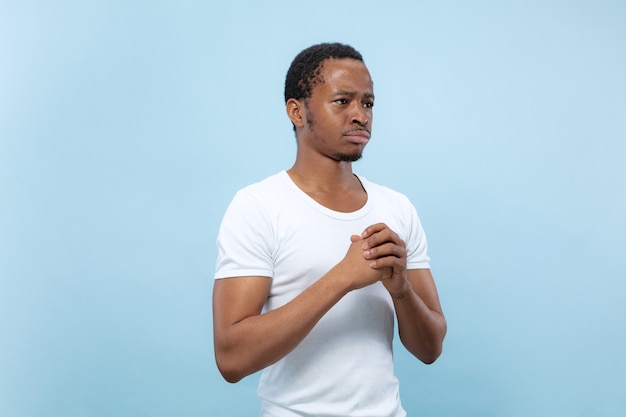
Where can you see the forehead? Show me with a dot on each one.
(345, 74)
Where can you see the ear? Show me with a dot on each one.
(295, 112)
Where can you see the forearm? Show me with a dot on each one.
(421, 329)
(257, 341)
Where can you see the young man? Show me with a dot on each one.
(313, 262)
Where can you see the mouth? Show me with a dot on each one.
(359, 136)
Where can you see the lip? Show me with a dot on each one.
(358, 136)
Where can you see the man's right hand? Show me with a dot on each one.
(358, 269)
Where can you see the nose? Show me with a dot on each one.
(360, 114)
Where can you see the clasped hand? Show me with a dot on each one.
(385, 254)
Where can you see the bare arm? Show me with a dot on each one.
(421, 323)
(247, 341)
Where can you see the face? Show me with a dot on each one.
(338, 115)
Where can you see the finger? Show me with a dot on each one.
(375, 235)
(387, 249)
(375, 228)
(393, 262)
(381, 237)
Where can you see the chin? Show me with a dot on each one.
(348, 157)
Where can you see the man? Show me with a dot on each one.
(313, 262)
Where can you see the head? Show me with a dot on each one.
(305, 69)
(329, 95)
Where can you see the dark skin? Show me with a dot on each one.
(332, 129)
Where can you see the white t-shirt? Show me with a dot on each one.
(344, 367)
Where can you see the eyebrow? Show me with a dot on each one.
(352, 93)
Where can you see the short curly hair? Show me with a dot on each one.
(305, 70)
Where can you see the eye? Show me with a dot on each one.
(341, 101)
(368, 104)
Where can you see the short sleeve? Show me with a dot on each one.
(245, 239)
(417, 245)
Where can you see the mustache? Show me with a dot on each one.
(358, 129)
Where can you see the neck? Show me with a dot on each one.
(330, 183)
(322, 174)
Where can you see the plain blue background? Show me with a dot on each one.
(127, 126)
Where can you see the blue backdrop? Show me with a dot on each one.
(127, 126)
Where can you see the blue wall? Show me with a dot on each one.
(126, 127)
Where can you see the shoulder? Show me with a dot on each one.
(263, 202)
(268, 185)
(267, 192)
(251, 216)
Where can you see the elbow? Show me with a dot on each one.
(229, 368)
(434, 350)
(230, 375)
(231, 378)
(429, 350)
(425, 353)
(428, 358)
